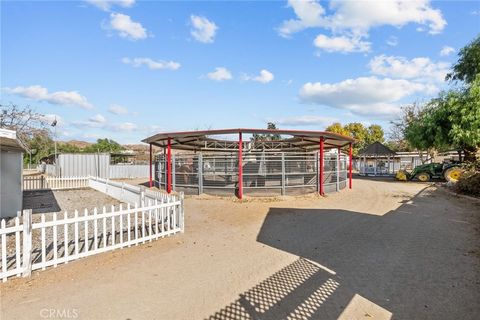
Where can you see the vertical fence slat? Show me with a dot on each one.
(55, 253)
(104, 227)
(85, 214)
(113, 226)
(128, 225)
(76, 233)
(143, 220)
(95, 229)
(162, 212)
(136, 223)
(17, 246)
(44, 244)
(156, 219)
(4, 251)
(121, 226)
(150, 220)
(65, 241)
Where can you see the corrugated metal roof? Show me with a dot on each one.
(201, 140)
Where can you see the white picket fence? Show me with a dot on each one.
(60, 238)
(53, 183)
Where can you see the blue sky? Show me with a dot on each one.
(127, 69)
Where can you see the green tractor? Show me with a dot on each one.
(425, 172)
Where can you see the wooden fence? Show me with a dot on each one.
(53, 183)
(27, 246)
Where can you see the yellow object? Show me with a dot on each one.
(401, 175)
(453, 174)
(424, 177)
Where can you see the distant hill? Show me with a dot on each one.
(76, 143)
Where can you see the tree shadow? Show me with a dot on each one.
(415, 261)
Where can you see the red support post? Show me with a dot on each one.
(240, 166)
(151, 166)
(320, 169)
(339, 158)
(169, 165)
(350, 155)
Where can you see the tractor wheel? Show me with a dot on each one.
(423, 176)
(453, 174)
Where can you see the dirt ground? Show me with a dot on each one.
(382, 250)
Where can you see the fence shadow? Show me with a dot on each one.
(408, 261)
(297, 291)
(40, 201)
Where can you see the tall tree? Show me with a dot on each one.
(362, 134)
(375, 134)
(337, 128)
(104, 145)
(24, 120)
(267, 136)
(452, 120)
(468, 65)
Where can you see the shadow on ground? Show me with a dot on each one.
(40, 201)
(417, 262)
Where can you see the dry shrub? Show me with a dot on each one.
(469, 183)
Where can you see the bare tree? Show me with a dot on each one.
(25, 120)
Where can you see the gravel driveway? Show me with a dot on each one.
(384, 250)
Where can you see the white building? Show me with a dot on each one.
(11, 177)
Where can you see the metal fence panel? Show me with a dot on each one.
(264, 173)
(119, 171)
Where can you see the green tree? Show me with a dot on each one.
(452, 120)
(468, 65)
(337, 128)
(375, 134)
(267, 136)
(104, 145)
(362, 134)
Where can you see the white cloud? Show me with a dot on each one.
(106, 5)
(307, 120)
(203, 30)
(40, 93)
(152, 64)
(309, 15)
(354, 19)
(265, 76)
(446, 51)
(98, 118)
(126, 27)
(421, 69)
(118, 109)
(364, 15)
(365, 95)
(220, 74)
(125, 126)
(392, 41)
(99, 122)
(341, 44)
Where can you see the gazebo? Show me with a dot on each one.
(376, 160)
(253, 161)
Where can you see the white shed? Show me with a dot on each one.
(11, 177)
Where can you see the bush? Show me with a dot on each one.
(469, 184)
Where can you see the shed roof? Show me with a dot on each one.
(376, 149)
(9, 141)
(202, 140)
